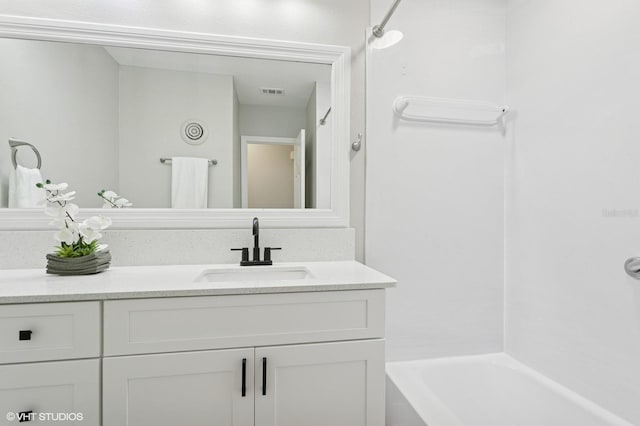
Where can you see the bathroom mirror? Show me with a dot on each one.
(109, 107)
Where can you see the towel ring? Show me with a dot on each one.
(14, 144)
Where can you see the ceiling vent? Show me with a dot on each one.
(272, 91)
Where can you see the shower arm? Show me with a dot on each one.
(378, 30)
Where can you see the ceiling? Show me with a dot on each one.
(250, 75)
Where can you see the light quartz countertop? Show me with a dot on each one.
(35, 285)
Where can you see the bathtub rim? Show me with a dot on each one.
(434, 412)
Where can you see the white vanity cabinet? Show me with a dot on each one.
(308, 359)
(49, 392)
(156, 346)
(337, 384)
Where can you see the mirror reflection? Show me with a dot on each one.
(163, 129)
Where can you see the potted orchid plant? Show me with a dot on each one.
(77, 240)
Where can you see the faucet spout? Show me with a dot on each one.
(256, 239)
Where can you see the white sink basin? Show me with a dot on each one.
(254, 273)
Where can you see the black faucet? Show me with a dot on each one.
(256, 240)
(256, 249)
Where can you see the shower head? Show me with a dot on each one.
(383, 39)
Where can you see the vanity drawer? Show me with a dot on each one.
(213, 322)
(63, 389)
(49, 331)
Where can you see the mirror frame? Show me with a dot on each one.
(134, 37)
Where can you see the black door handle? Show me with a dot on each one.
(264, 376)
(244, 377)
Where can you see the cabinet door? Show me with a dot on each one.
(186, 389)
(62, 392)
(337, 384)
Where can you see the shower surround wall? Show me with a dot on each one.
(574, 196)
(435, 194)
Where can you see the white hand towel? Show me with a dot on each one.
(23, 193)
(189, 183)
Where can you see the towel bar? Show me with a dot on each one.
(14, 144)
(449, 111)
(168, 161)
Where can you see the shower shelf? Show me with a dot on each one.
(448, 111)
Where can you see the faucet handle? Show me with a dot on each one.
(267, 253)
(245, 253)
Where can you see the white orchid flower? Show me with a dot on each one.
(110, 195)
(71, 209)
(62, 212)
(55, 186)
(67, 196)
(97, 223)
(89, 235)
(73, 227)
(65, 236)
(53, 211)
(122, 202)
(58, 222)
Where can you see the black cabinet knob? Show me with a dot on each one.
(25, 334)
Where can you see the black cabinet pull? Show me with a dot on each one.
(24, 416)
(244, 377)
(264, 376)
(25, 334)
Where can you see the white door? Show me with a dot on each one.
(298, 171)
(53, 390)
(186, 389)
(336, 384)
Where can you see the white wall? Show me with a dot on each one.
(47, 101)
(153, 106)
(310, 151)
(237, 184)
(571, 311)
(435, 193)
(323, 155)
(315, 21)
(261, 120)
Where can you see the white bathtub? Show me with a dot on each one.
(484, 390)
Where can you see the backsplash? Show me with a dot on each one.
(27, 249)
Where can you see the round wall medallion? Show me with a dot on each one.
(194, 132)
